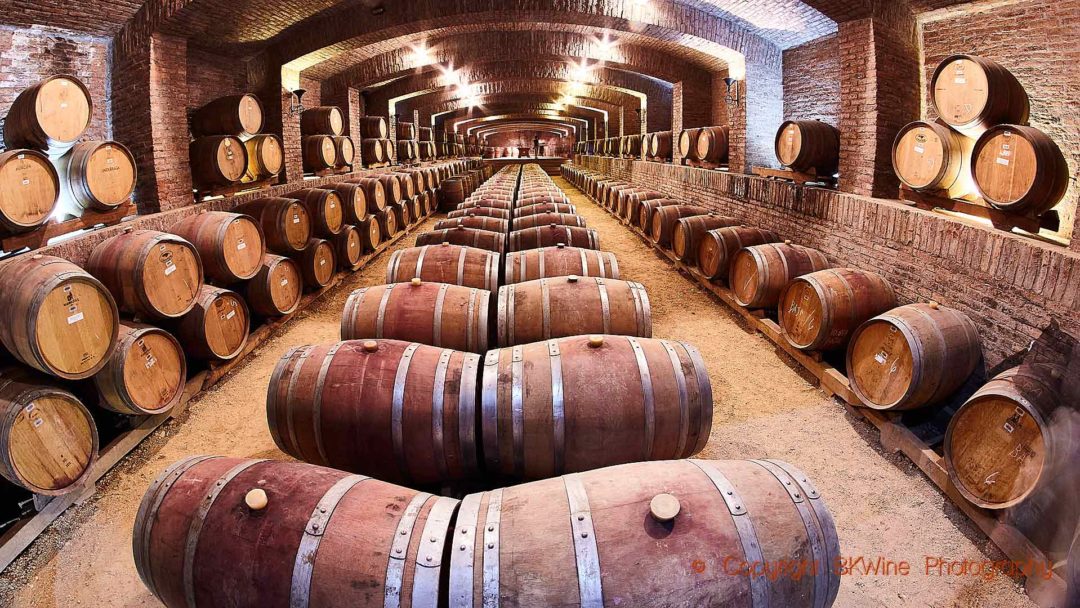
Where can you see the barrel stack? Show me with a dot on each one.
(375, 146)
(227, 149)
(408, 145)
(326, 149)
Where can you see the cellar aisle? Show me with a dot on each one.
(883, 506)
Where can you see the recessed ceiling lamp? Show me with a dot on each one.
(605, 48)
(579, 72)
(421, 55)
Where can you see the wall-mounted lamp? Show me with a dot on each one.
(297, 106)
(732, 95)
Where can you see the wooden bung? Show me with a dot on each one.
(446, 263)
(557, 307)
(150, 274)
(436, 314)
(145, 374)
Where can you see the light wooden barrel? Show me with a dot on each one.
(317, 263)
(820, 311)
(647, 208)
(388, 222)
(502, 214)
(707, 529)
(48, 439)
(485, 201)
(1012, 437)
(372, 151)
(145, 374)
(559, 261)
(718, 248)
(437, 314)
(469, 237)
(662, 227)
(538, 208)
(318, 519)
(972, 94)
(712, 144)
(344, 150)
(932, 157)
(370, 233)
(285, 223)
(760, 273)
(557, 307)
(230, 245)
(29, 190)
(374, 192)
(217, 328)
(324, 208)
(660, 145)
(406, 184)
(392, 187)
(49, 116)
(445, 263)
(808, 145)
(217, 160)
(322, 120)
(689, 231)
(240, 115)
(318, 152)
(266, 156)
(354, 203)
(373, 127)
(277, 289)
(614, 193)
(60, 319)
(150, 274)
(547, 219)
(688, 143)
(628, 206)
(1019, 169)
(474, 221)
(99, 175)
(912, 356)
(551, 236)
(413, 405)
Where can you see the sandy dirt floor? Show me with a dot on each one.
(883, 506)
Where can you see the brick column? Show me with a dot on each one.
(277, 102)
(691, 106)
(760, 113)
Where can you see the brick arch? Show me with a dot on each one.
(584, 119)
(511, 126)
(463, 124)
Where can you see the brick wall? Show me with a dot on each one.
(554, 146)
(812, 81)
(211, 75)
(1015, 289)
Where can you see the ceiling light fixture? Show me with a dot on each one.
(421, 55)
(605, 47)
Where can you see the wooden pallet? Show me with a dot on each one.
(701, 164)
(376, 165)
(202, 194)
(1002, 220)
(39, 237)
(17, 538)
(797, 177)
(333, 171)
(657, 159)
(894, 436)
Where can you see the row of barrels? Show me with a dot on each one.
(897, 357)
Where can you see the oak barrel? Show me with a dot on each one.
(1019, 169)
(319, 152)
(50, 116)
(317, 263)
(403, 212)
(629, 203)
(388, 223)
(547, 219)
(538, 208)
(718, 248)
(551, 236)
(388, 149)
(354, 203)
(372, 151)
(375, 193)
(689, 231)
(277, 288)
(146, 373)
(230, 245)
(373, 127)
(446, 263)
(820, 310)
(662, 227)
(660, 145)
(217, 160)
(392, 187)
(266, 156)
(760, 273)
(502, 214)
(395, 410)
(370, 233)
(557, 307)
(99, 175)
(474, 221)
(486, 201)
(808, 145)
(688, 143)
(559, 261)
(285, 223)
(150, 274)
(60, 319)
(240, 115)
(712, 144)
(322, 120)
(470, 237)
(646, 209)
(972, 94)
(344, 150)
(29, 190)
(324, 208)
(932, 157)
(217, 328)
(912, 356)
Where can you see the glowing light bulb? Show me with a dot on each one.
(421, 55)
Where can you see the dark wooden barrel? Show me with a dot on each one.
(217, 160)
(426, 134)
(474, 221)
(276, 290)
(217, 327)
(150, 274)
(374, 192)
(348, 247)
(662, 227)
(718, 248)
(318, 152)
(98, 175)
(688, 143)
(611, 200)
(406, 130)
(322, 120)
(712, 144)
(686, 519)
(317, 263)
(406, 151)
(557, 307)
(628, 206)
(808, 145)
(240, 115)
(559, 261)
(647, 208)
(403, 212)
(373, 127)
(551, 236)
(413, 404)
(972, 94)
(266, 156)
(502, 214)
(230, 245)
(49, 116)
(526, 199)
(446, 263)
(324, 208)
(29, 190)
(932, 157)
(452, 193)
(547, 219)
(657, 406)
(660, 145)
(388, 149)
(145, 374)
(436, 314)
(295, 524)
(48, 439)
(406, 184)
(372, 151)
(392, 187)
(59, 318)
(388, 223)
(370, 233)
(344, 150)
(819, 311)
(470, 237)
(285, 222)
(1019, 169)
(760, 273)
(689, 231)
(912, 356)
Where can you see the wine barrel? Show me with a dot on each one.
(266, 156)
(469, 237)
(476, 221)
(184, 541)
(370, 233)
(217, 328)
(808, 145)
(48, 439)
(29, 190)
(230, 245)
(526, 199)
(1019, 169)
(344, 151)
(445, 263)
(388, 222)
(819, 311)
(322, 120)
(319, 153)
(688, 143)
(559, 261)
(630, 206)
(972, 94)
(647, 208)
(405, 151)
(374, 193)
(718, 248)
(392, 187)
(414, 406)
(50, 116)
(217, 160)
(452, 194)
(662, 228)
(277, 289)
(406, 184)
(373, 127)
(932, 157)
(557, 307)
(485, 201)
(317, 263)
(146, 373)
(611, 200)
(707, 530)
(403, 214)
(98, 175)
(150, 274)
(712, 144)
(660, 145)
(284, 222)
(547, 219)
(426, 134)
(60, 319)
(437, 314)
(324, 208)
(502, 214)
(551, 236)
(912, 356)
(689, 232)
(760, 273)
(348, 247)
(388, 149)
(240, 115)
(1013, 436)
(545, 208)
(372, 151)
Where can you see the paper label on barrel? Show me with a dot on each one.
(75, 318)
(241, 245)
(232, 313)
(26, 181)
(169, 267)
(960, 80)
(919, 149)
(296, 219)
(881, 357)
(1003, 161)
(322, 262)
(284, 282)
